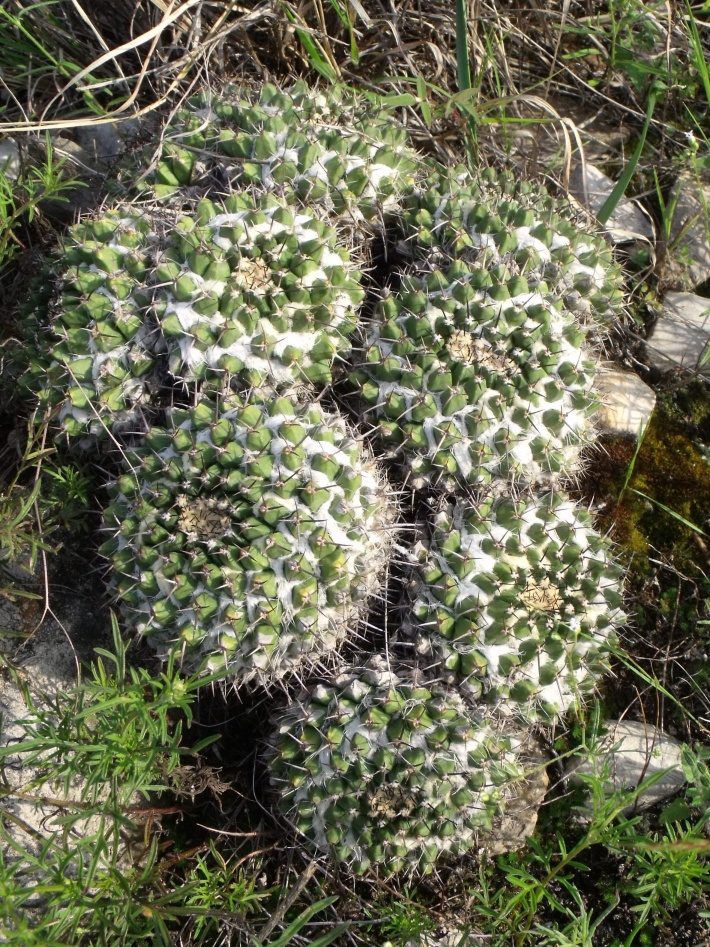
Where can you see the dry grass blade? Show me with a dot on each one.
(113, 54)
(168, 76)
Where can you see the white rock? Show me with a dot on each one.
(627, 402)
(628, 754)
(681, 336)
(687, 260)
(519, 817)
(454, 933)
(629, 222)
(10, 162)
(45, 666)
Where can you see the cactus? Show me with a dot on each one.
(471, 375)
(249, 294)
(496, 219)
(96, 362)
(255, 292)
(378, 771)
(519, 600)
(331, 149)
(247, 536)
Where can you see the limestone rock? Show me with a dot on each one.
(449, 935)
(681, 336)
(628, 223)
(96, 147)
(35, 672)
(687, 261)
(105, 142)
(627, 402)
(10, 162)
(628, 754)
(519, 818)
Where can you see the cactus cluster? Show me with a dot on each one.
(251, 527)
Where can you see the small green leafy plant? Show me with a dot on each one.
(20, 198)
(93, 754)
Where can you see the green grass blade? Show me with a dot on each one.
(315, 54)
(697, 52)
(654, 682)
(610, 204)
(462, 61)
(464, 73)
(331, 936)
(632, 464)
(343, 13)
(300, 922)
(676, 516)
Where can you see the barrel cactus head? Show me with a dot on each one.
(518, 600)
(249, 294)
(96, 362)
(255, 294)
(470, 374)
(387, 775)
(247, 536)
(490, 219)
(332, 149)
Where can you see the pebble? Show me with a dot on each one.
(681, 335)
(629, 753)
(629, 221)
(627, 402)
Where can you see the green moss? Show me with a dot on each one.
(689, 408)
(672, 471)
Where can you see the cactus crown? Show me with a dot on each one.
(324, 150)
(519, 599)
(472, 375)
(494, 219)
(257, 293)
(246, 294)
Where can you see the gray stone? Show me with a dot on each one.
(95, 148)
(74, 156)
(10, 161)
(519, 817)
(628, 754)
(628, 223)
(681, 336)
(104, 143)
(687, 261)
(627, 402)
